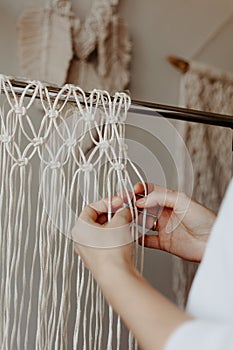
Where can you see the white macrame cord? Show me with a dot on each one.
(58, 153)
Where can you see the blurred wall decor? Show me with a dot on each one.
(211, 90)
(55, 46)
(102, 49)
(45, 42)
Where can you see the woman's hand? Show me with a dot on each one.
(150, 316)
(104, 246)
(183, 225)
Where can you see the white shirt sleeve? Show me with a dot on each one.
(201, 335)
(210, 300)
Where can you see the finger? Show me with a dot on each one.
(126, 196)
(160, 196)
(89, 214)
(150, 241)
(120, 218)
(102, 206)
(149, 223)
(92, 211)
(140, 188)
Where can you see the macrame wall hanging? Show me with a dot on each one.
(55, 46)
(210, 90)
(54, 160)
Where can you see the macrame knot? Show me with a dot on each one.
(54, 165)
(20, 110)
(22, 162)
(5, 138)
(53, 114)
(118, 166)
(112, 119)
(87, 167)
(37, 141)
(104, 145)
(70, 142)
(88, 117)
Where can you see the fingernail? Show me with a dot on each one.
(141, 201)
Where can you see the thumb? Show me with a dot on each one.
(163, 198)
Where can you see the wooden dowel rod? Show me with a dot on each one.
(179, 63)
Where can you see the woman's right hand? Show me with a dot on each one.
(183, 225)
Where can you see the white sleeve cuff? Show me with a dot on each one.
(201, 335)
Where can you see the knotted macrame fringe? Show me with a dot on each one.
(56, 157)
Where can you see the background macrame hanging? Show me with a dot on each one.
(45, 42)
(53, 163)
(101, 46)
(210, 90)
(102, 49)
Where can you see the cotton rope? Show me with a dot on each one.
(56, 157)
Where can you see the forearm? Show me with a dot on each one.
(150, 316)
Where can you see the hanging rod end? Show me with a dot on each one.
(179, 63)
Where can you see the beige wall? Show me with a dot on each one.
(157, 28)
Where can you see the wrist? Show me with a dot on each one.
(201, 248)
(113, 274)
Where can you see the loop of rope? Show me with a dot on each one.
(97, 106)
(22, 162)
(70, 142)
(71, 170)
(104, 145)
(20, 110)
(55, 165)
(38, 141)
(118, 166)
(87, 167)
(53, 114)
(5, 138)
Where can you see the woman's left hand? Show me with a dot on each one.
(92, 226)
(149, 315)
